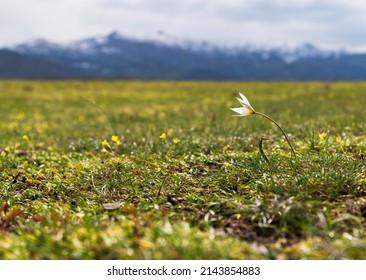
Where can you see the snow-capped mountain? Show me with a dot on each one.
(162, 56)
(113, 44)
(39, 46)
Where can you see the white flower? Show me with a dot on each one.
(246, 109)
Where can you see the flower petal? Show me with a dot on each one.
(244, 99)
(245, 102)
(242, 111)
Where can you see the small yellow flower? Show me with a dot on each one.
(16, 146)
(237, 216)
(105, 143)
(115, 138)
(339, 140)
(7, 149)
(163, 136)
(146, 243)
(176, 140)
(322, 136)
(227, 147)
(25, 138)
(118, 143)
(104, 151)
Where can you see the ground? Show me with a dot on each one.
(162, 170)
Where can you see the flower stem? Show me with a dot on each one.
(261, 149)
(272, 120)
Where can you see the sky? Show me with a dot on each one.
(329, 24)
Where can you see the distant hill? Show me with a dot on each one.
(15, 65)
(117, 56)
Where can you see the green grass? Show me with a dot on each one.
(209, 195)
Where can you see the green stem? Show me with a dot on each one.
(272, 120)
(261, 149)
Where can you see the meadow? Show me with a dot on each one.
(162, 170)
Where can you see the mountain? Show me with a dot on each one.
(15, 65)
(170, 58)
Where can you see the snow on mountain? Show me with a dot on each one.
(163, 56)
(103, 44)
(286, 52)
(290, 54)
(164, 39)
(113, 44)
(38, 46)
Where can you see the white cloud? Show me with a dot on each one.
(22, 20)
(330, 23)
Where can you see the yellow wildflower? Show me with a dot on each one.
(322, 136)
(227, 147)
(146, 243)
(7, 149)
(25, 138)
(163, 136)
(105, 143)
(176, 141)
(237, 216)
(115, 138)
(339, 140)
(118, 143)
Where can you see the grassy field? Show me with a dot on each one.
(161, 170)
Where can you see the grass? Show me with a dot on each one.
(202, 192)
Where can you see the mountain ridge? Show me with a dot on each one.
(118, 56)
(14, 65)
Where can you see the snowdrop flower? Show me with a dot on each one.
(247, 110)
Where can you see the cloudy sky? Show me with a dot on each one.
(329, 24)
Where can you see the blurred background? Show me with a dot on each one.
(183, 40)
